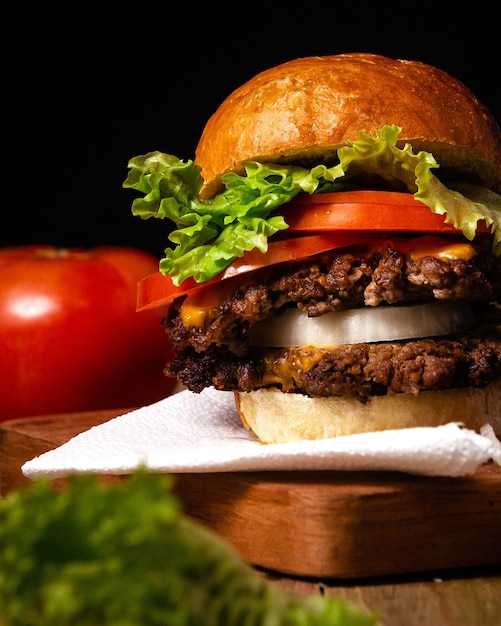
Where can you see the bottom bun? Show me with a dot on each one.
(277, 417)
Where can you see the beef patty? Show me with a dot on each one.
(218, 353)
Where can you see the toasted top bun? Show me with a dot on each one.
(304, 110)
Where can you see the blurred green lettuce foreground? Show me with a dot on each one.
(124, 554)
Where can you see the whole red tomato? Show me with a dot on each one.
(70, 337)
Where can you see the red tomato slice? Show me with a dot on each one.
(157, 289)
(339, 219)
(365, 210)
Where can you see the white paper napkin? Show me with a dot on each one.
(190, 432)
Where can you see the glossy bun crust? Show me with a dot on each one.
(302, 111)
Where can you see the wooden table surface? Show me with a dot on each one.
(417, 550)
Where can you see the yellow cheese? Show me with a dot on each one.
(194, 315)
(198, 309)
(285, 366)
(440, 248)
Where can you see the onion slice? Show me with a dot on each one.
(293, 328)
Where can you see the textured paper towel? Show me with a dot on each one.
(190, 432)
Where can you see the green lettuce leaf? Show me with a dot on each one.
(208, 235)
(464, 207)
(123, 554)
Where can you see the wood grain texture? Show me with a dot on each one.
(468, 600)
(332, 524)
(319, 524)
(354, 532)
(24, 438)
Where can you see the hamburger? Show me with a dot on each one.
(334, 252)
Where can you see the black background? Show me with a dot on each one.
(83, 92)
